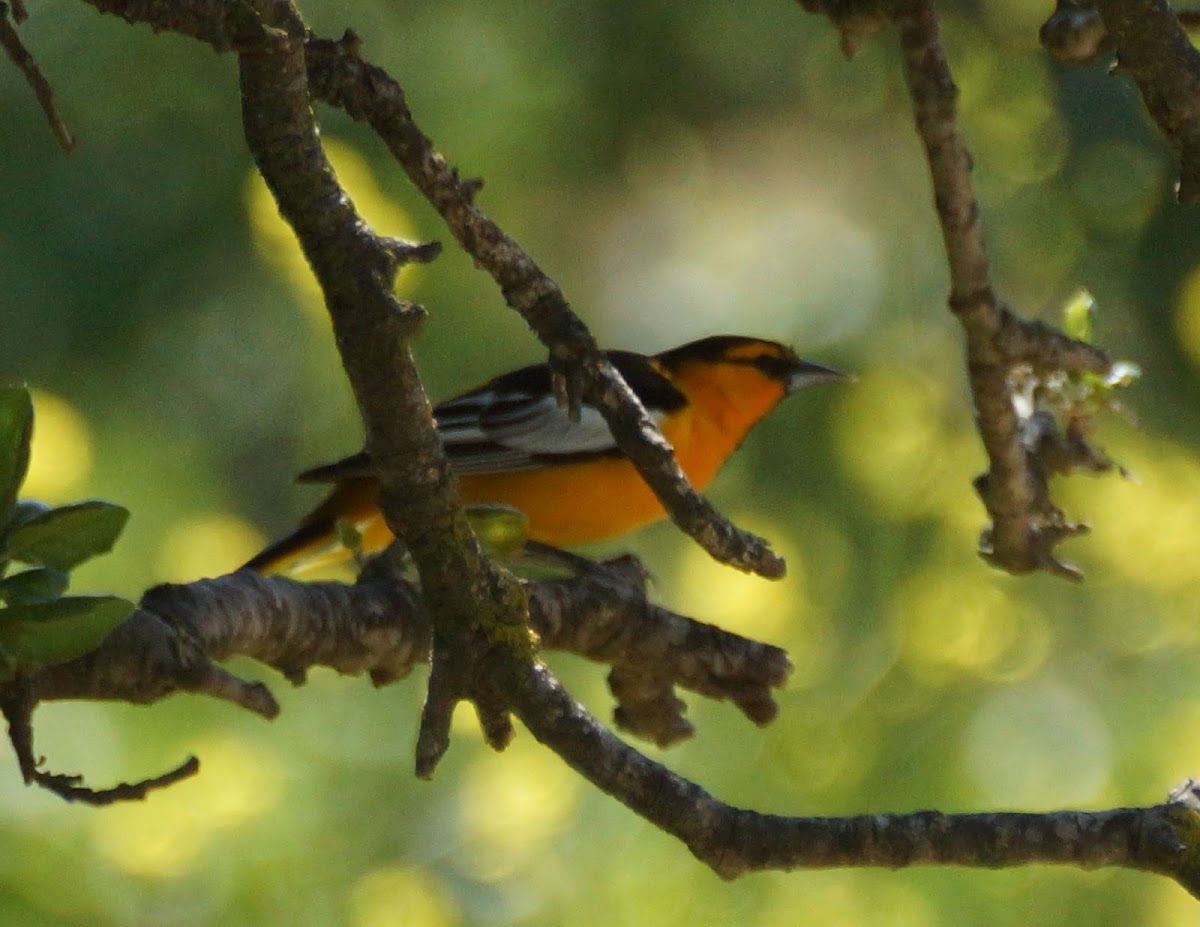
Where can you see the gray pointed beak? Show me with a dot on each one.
(810, 374)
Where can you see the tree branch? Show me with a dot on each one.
(1154, 51)
(1026, 525)
(474, 606)
(338, 76)
(733, 841)
(475, 628)
(19, 55)
(381, 627)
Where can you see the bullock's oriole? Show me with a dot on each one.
(510, 443)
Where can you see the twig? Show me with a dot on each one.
(71, 788)
(20, 56)
(17, 704)
(651, 650)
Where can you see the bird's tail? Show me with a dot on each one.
(316, 541)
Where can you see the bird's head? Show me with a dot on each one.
(761, 359)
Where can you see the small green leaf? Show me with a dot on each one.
(44, 633)
(16, 430)
(64, 537)
(1079, 314)
(39, 585)
(501, 529)
(25, 510)
(350, 537)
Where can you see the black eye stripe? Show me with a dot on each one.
(773, 366)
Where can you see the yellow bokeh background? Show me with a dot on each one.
(680, 171)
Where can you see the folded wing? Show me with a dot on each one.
(512, 423)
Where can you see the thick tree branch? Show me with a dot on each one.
(380, 627)
(474, 606)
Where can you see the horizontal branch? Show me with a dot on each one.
(380, 627)
(733, 841)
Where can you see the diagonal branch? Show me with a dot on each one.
(338, 76)
(19, 55)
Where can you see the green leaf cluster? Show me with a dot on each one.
(39, 546)
(1092, 391)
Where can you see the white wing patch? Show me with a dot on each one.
(489, 432)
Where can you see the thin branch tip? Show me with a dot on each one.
(70, 788)
(408, 252)
(20, 56)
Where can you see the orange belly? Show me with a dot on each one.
(573, 504)
(584, 502)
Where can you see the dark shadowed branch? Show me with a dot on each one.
(19, 55)
(1153, 50)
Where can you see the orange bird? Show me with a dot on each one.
(510, 443)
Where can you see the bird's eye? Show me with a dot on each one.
(772, 365)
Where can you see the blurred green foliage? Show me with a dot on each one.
(681, 169)
(39, 626)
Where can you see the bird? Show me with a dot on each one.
(511, 443)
